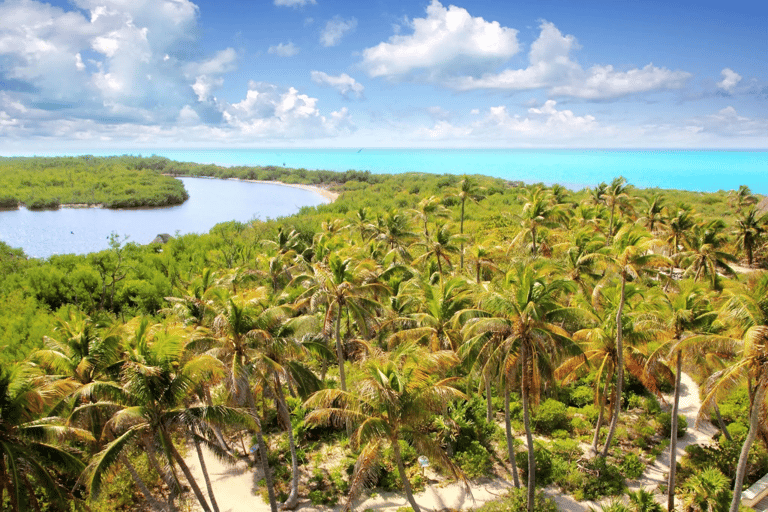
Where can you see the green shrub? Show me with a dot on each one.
(580, 396)
(652, 405)
(632, 466)
(475, 461)
(550, 416)
(517, 499)
(601, 479)
(543, 461)
(665, 420)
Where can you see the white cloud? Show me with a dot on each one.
(205, 85)
(730, 79)
(345, 84)
(447, 40)
(336, 29)
(294, 3)
(223, 62)
(268, 111)
(284, 49)
(551, 67)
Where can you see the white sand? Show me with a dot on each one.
(236, 490)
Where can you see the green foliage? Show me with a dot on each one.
(550, 416)
(517, 499)
(665, 421)
(543, 458)
(632, 466)
(475, 460)
(601, 479)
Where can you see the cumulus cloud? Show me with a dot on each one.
(294, 3)
(545, 124)
(336, 29)
(345, 84)
(729, 81)
(447, 40)
(451, 48)
(268, 111)
(284, 49)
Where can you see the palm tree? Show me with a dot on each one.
(468, 189)
(155, 390)
(750, 227)
(705, 257)
(483, 259)
(580, 261)
(706, 491)
(687, 314)
(653, 215)
(747, 312)
(398, 393)
(741, 198)
(679, 230)
(630, 258)
(539, 211)
(392, 229)
(616, 195)
(341, 288)
(430, 206)
(30, 446)
(521, 313)
(440, 248)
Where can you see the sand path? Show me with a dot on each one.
(236, 489)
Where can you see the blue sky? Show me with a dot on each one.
(141, 74)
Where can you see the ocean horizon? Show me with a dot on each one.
(696, 170)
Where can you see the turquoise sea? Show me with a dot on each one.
(705, 170)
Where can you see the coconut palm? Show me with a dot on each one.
(154, 403)
(705, 258)
(741, 198)
(393, 231)
(31, 447)
(521, 312)
(539, 210)
(616, 196)
(398, 393)
(653, 215)
(750, 227)
(686, 313)
(468, 189)
(746, 310)
(630, 258)
(483, 259)
(678, 231)
(430, 206)
(440, 248)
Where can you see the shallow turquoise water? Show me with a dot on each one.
(83, 230)
(706, 171)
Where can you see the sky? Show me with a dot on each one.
(79, 75)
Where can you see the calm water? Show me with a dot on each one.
(705, 171)
(84, 230)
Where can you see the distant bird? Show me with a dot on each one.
(359, 150)
(71, 232)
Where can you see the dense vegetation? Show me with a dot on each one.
(114, 182)
(438, 315)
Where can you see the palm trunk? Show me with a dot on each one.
(293, 496)
(510, 439)
(155, 504)
(263, 454)
(721, 423)
(601, 400)
(461, 231)
(340, 352)
(528, 433)
(170, 480)
(207, 477)
(533, 236)
(488, 401)
(673, 437)
(216, 429)
(619, 369)
(403, 477)
(754, 425)
(187, 473)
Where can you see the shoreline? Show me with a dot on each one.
(321, 191)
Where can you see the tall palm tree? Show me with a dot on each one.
(440, 247)
(539, 211)
(468, 189)
(741, 198)
(750, 227)
(398, 393)
(393, 231)
(483, 258)
(31, 448)
(342, 287)
(679, 227)
(653, 214)
(688, 314)
(705, 258)
(521, 313)
(430, 206)
(616, 196)
(747, 312)
(630, 258)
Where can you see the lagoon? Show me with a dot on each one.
(83, 230)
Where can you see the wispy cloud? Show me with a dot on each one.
(345, 84)
(336, 29)
(284, 49)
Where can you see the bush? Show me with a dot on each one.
(665, 420)
(580, 396)
(543, 460)
(475, 461)
(550, 416)
(601, 479)
(632, 466)
(517, 499)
